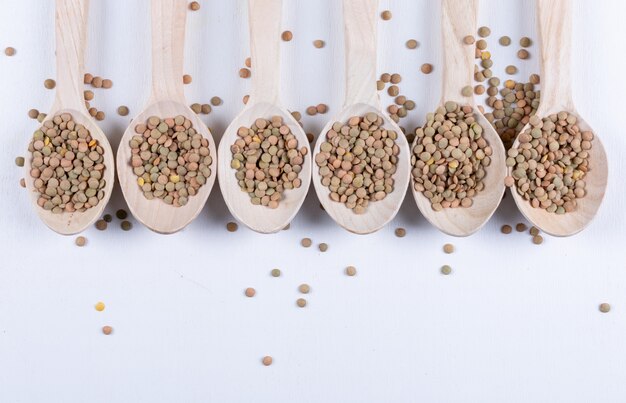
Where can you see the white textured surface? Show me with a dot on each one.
(513, 323)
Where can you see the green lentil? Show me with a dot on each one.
(107, 218)
(275, 272)
(484, 32)
(446, 270)
(525, 42)
(505, 41)
(126, 225)
(19, 161)
(121, 214)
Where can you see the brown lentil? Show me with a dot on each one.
(427, 68)
(525, 42)
(244, 72)
(250, 292)
(80, 241)
(49, 83)
(301, 302)
(287, 36)
(534, 231)
(604, 307)
(187, 79)
(469, 40)
(323, 247)
(170, 159)
(107, 218)
(537, 239)
(107, 330)
(267, 160)
(521, 227)
(318, 43)
(126, 225)
(232, 227)
(267, 360)
(9, 51)
(523, 54)
(411, 44)
(194, 6)
(19, 161)
(448, 248)
(386, 15)
(33, 113)
(216, 101)
(304, 288)
(484, 32)
(122, 110)
(67, 166)
(351, 271)
(400, 232)
(101, 225)
(449, 157)
(357, 161)
(506, 229)
(505, 41)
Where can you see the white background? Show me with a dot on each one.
(514, 322)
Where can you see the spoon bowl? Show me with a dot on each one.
(155, 214)
(67, 223)
(71, 34)
(464, 221)
(378, 213)
(586, 207)
(261, 218)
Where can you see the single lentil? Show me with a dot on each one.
(267, 360)
(275, 272)
(318, 43)
(99, 306)
(81, 241)
(232, 227)
(350, 271)
(49, 83)
(520, 227)
(122, 110)
(484, 32)
(9, 51)
(469, 40)
(250, 292)
(107, 218)
(216, 101)
(448, 248)
(604, 307)
(301, 302)
(525, 42)
(33, 113)
(411, 44)
(287, 36)
(537, 239)
(445, 269)
(426, 68)
(400, 232)
(523, 54)
(101, 225)
(126, 225)
(506, 229)
(505, 41)
(304, 288)
(386, 15)
(306, 242)
(107, 330)
(194, 6)
(19, 161)
(187, 79)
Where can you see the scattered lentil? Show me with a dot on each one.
(126, 225)
(80, 241)
(33, 113)
(250, 292)
(301, 302)
(445, 269)
(107, 330)
(350, 271)
(523, 54)
(187, 79)
(267, 160)
(505, 41)
(510, 70)
(49, 83)
(244, 72)
(106, 83)
(194, 6)
(101, 225)
(525, 42)
(484, 32)
(304, 288)
(232, 227)
(537, 239)
(506, 229)
(306, 242)
(400, 232)
(121, 214)
(9, 51)
(267, 360)
(19, 161)
(448, 248)
(427, 68)
(107, 218)
(411, 44)
(318, 43)
(122, 110)
(216, 101)
(521, 227)
(287, 36)
(534, 231)
(605, 307)
(323, 247)
(170, 159)
(275, 272)
(358, 160)
(469, 40)
(467, 91)
(386, 15)
(99, 306)
(96, 82)
(22, 182)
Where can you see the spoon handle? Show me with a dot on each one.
(168, 47)
(360, 27)
(458, 20)
(71, 34)
(265, 24)
(555, 32)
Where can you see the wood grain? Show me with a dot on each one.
(264, 102)
(71, 36)
(167, 100)
(555, 31)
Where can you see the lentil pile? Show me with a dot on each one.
(170, 159)
(358, 160)
(67, 166)
(550, 164)
(267, 160)
(450, 157)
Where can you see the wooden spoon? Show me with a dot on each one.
(361, 98)
(265, 19)
(458, 21)
(167, 101)
(71, 38)
(555, 30)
